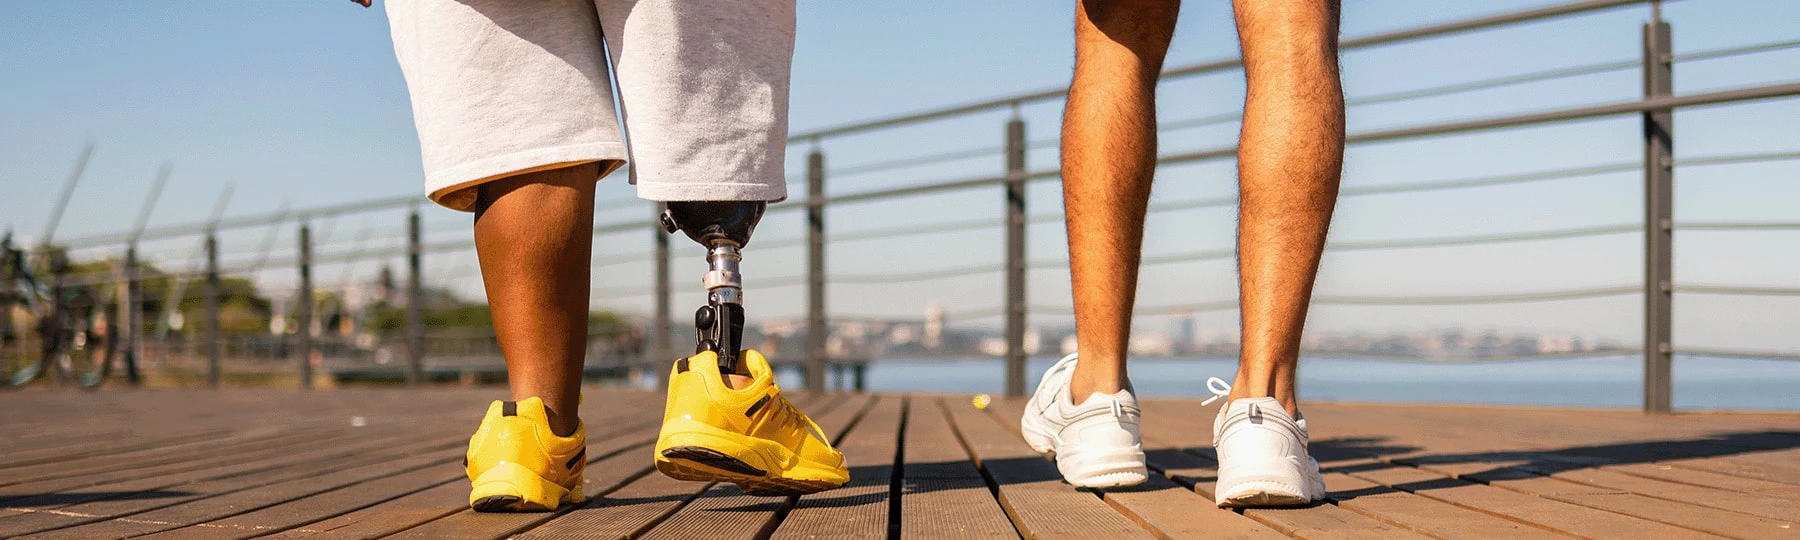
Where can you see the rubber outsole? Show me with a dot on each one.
(495, 503)
(1263, 494)
(1263, 499)
(1111, 480)
(701, 464)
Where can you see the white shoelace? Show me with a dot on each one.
(1219, 389)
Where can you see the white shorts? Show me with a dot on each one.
(502, 87)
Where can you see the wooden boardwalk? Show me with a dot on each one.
(366, 463)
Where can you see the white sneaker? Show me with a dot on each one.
(1262, 454)
(1096, 443)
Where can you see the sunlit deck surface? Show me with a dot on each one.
(245, 463)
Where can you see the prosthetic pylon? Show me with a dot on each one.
(723, 228)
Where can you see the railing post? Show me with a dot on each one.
(213, 353)
(815, 271)
(1659, 172)
(415, 299)
(134, 315)
(303, 307)
(1015, 257)
(662, 324)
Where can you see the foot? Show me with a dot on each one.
(750, 436)
(1262, 456)
(1096, 442)
(516, 464)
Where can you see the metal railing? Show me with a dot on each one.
(1658, 166)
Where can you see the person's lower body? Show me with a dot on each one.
(514, 107)
(1290, 155)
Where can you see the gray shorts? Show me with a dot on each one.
(503, 87)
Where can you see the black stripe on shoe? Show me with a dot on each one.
(579, 457)
(757, 407)
(509, 408)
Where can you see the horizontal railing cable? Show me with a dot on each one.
(1737, 353)
(1737, 290)
(1737, 226)
(1422, 300)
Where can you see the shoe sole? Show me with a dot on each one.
(495, 503)
(1262, 494)
(1257, 497)
(701, 464)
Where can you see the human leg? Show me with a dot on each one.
(1108, 161)
(514, 113)
(1290, 155)
(1290, 152)
(1083, 409)
(533, 237)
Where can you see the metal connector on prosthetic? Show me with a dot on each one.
(723, 228)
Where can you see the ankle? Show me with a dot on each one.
(562, 425)
(1288, 403)
(1082, 387)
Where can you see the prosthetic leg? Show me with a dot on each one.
(749, 435)
(723, 228)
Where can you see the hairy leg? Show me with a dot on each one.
(1108, 160)
(1290, 154)
(533, 235)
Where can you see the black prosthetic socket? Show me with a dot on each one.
(710, 221)
(722, 227)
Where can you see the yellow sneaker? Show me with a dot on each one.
(750, 436)
(518, 465)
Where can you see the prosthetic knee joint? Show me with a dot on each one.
(723, 228)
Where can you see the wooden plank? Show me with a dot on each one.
(343, 500)
(860, 508)
(280, 517)
(39, 493)
(203, 510)
(130, 498)
(1423, 515)
(626, 512)
(1694, 477)
(723, 511)
(1447, 453)
(1783, 467)
(1555, 515)
(389, 517)
(1673, 513)
(1040, 504)
(192, 454)
(1696, 495)
(1161, 505)
(107, 447)
(943, 494)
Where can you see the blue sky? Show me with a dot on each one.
(301, 101)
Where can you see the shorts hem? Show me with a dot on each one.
(442, 183)
(711, 192)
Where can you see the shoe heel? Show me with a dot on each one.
(510, 487)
